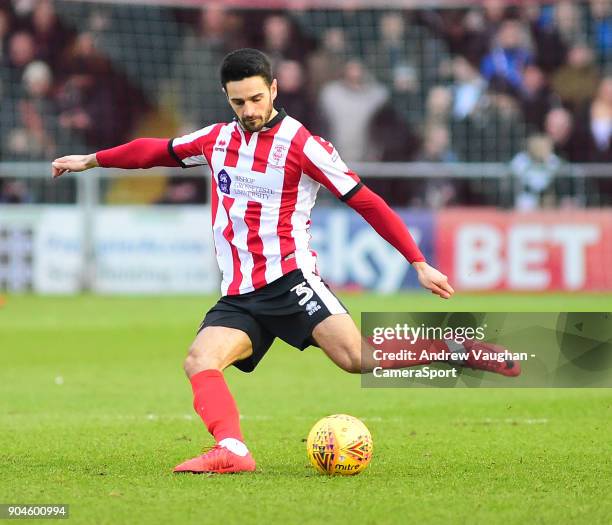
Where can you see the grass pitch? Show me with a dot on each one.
(95, 411)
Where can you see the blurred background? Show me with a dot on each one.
(486, 125)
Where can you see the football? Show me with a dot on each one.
(340, 444)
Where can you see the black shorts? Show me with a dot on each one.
(288, 308)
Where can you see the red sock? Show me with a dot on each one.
(213, 401)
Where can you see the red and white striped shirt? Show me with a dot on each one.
(264, 185)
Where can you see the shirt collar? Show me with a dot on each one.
(279, 116)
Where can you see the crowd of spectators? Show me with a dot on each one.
(466, 84)
(474, 84)
(58, 91)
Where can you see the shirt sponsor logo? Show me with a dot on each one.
(225, 182)
(246, 186)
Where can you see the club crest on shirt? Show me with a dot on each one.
(224, 181)
(278, 153)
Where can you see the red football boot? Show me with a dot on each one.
(505, 367)
(218, 460)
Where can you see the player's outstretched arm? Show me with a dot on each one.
(321, 162)
(390, 227)
(73, 163)
(139, 153)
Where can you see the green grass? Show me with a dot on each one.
(105, 440)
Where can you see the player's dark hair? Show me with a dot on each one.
(245, 63)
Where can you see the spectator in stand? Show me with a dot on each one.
(601, 26)
(34, 137)
(534, 171)
(536, 98)
(495, 12)
(491, 133)
(96, 104)
(470, 33)
(560, 127)
(600, 123)
(6, 22)
(83, 57)
(467, 89)
(577, 81)
(196, 64)
(600, 135)
(509, 56)
(407, 59)
(348, 106)
(395, 53)
(569, 21)
(281, 41)
(437, 145)
(477, 36)
(82, 97)
(7, 114)
(5, 27)
(438, 106)
(392, 56)
(22, 51)
(465, 33)
(392, 137)
(438, 192)
(213, 26)
(549, 46)
(50, 36)
(326, 63)
(292, 93)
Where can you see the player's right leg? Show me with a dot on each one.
(217, 347)
(341, 340)
(214, 349)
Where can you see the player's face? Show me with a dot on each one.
(252, 100)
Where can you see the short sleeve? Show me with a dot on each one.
(322, 162)
(189, 150)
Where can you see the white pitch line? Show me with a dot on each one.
(508, 421)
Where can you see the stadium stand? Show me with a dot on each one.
(462, 84)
